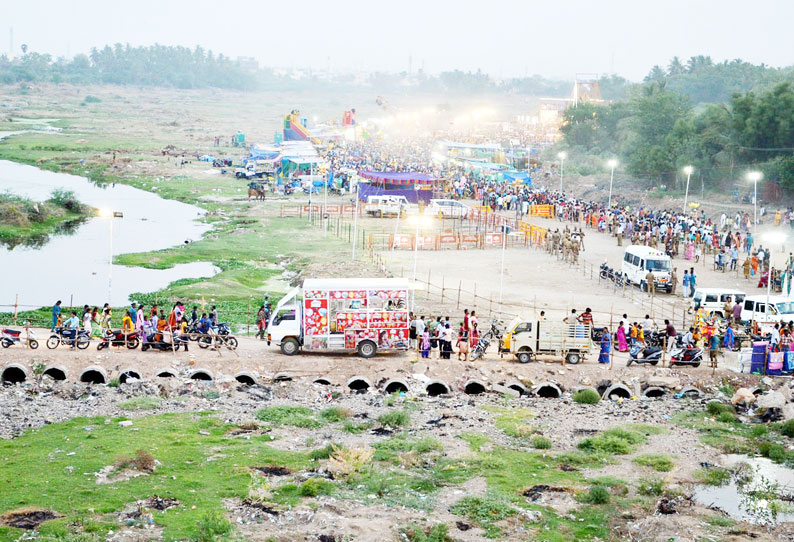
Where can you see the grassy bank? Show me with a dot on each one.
(27, 222)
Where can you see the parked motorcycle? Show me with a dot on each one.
(687, 355)
(485, 342)
(604, 271)
(167, 342)
(648, 355)
(119, 338)
(79, 338)
(222, 334)
(12, 336)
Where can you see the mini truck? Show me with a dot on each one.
(527, 338)
(355, 315)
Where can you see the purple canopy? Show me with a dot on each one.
(397, 178)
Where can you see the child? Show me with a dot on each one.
(426, 344)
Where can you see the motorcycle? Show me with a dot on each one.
(604, 271)
(687, 355)
(12, 336)
(222, 335)
(167, 342)
(485, 342)
(644, 355)
(70, 337)
(118, 338)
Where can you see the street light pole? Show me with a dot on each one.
(562, 157)
(755, 176)
(502, 270)
(612, 164)
(688, 170)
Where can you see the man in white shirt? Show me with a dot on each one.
(420, 330)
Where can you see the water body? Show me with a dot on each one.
(77, 264)
(745, 497)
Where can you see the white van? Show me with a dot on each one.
(713, 299)
(755, 308)
(448, 208)
(380, 206)
(639, 259)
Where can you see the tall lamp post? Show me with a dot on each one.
(612, 164)
(110, 215)
(688, 170)
(755, 176)
(562, 156)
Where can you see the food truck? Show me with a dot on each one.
(354, 315)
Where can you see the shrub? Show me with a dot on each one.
(727, 417)
(651, 487)
(211, 527)
(395, 418)
(316, 486)
(586, 396)
(143, 461)
(713, 476)
(540, 442)
(617, 441)
(322, 453)
(759, 430)
(596, 495)
(659, 462)
(716, 408)
(437, 533)
(66, 199)
(297, 416)
(787, 428)
(335, 414)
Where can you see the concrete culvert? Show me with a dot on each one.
(437, 387)
(201, 374)
(282, 377)
(55, 372)
(359, 384)
(395, 386)
(322, 382)
(517, 386)
(474, 387)
(94, 375)
(165, 373)
(14, 373)
(654, 392)
(129, 374)
(692, 392)
(617, 391)
(245, 378)
(548, 390)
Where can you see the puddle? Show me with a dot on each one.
(759, 491)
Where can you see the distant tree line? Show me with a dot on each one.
(655, 132)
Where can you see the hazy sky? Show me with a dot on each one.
(503, 38)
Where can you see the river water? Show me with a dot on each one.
(75, 266)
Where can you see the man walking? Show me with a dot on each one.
(685, 291)
(692, 282)
(673, 280)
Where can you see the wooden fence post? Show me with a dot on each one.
(16, 306)
(460, 283)
(442, 289)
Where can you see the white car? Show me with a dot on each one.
(448, 208)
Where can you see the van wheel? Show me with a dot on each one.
(573, 358)
(289, 347)
(524, 357)
(367, 349)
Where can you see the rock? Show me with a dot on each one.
(785, 391)
(771, 399)
(532, 516)
(504, 390)
(125, 423)
(787, 411)
(669, 382)
(743, 395)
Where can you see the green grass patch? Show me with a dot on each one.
(586, 397)
(391, 449)
(787, 428)
(335, 414)
(712, 476)
(513, 422)
(658, 462)
(650, 487)
(539, 442)
(296, 416)
(437, 533)
(44, 468)
(485, 512)
(616, 441)
(141, 403)
(597, 494)
(395, 418)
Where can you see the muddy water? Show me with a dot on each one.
(743, 499)
(75, 264)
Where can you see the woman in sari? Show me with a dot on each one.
(606, 347)
(623, 345)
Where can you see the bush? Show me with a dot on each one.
(540, 442)
(759, 430)
(727, 417)
(787, 428)
(335, 414)
(211, 527)
(616, 441)
(143, 461)
(659, 462)
(438, 533)
(716, 408)
(66, 199)
(586, 396)
(322, 453)
(651, 487)
(297, 416)
(316, 486)
(396, 418)
(713, 476)
(596, 495)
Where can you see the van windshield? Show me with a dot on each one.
(785, 307)
(657, 265)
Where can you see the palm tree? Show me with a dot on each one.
(675, 67)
